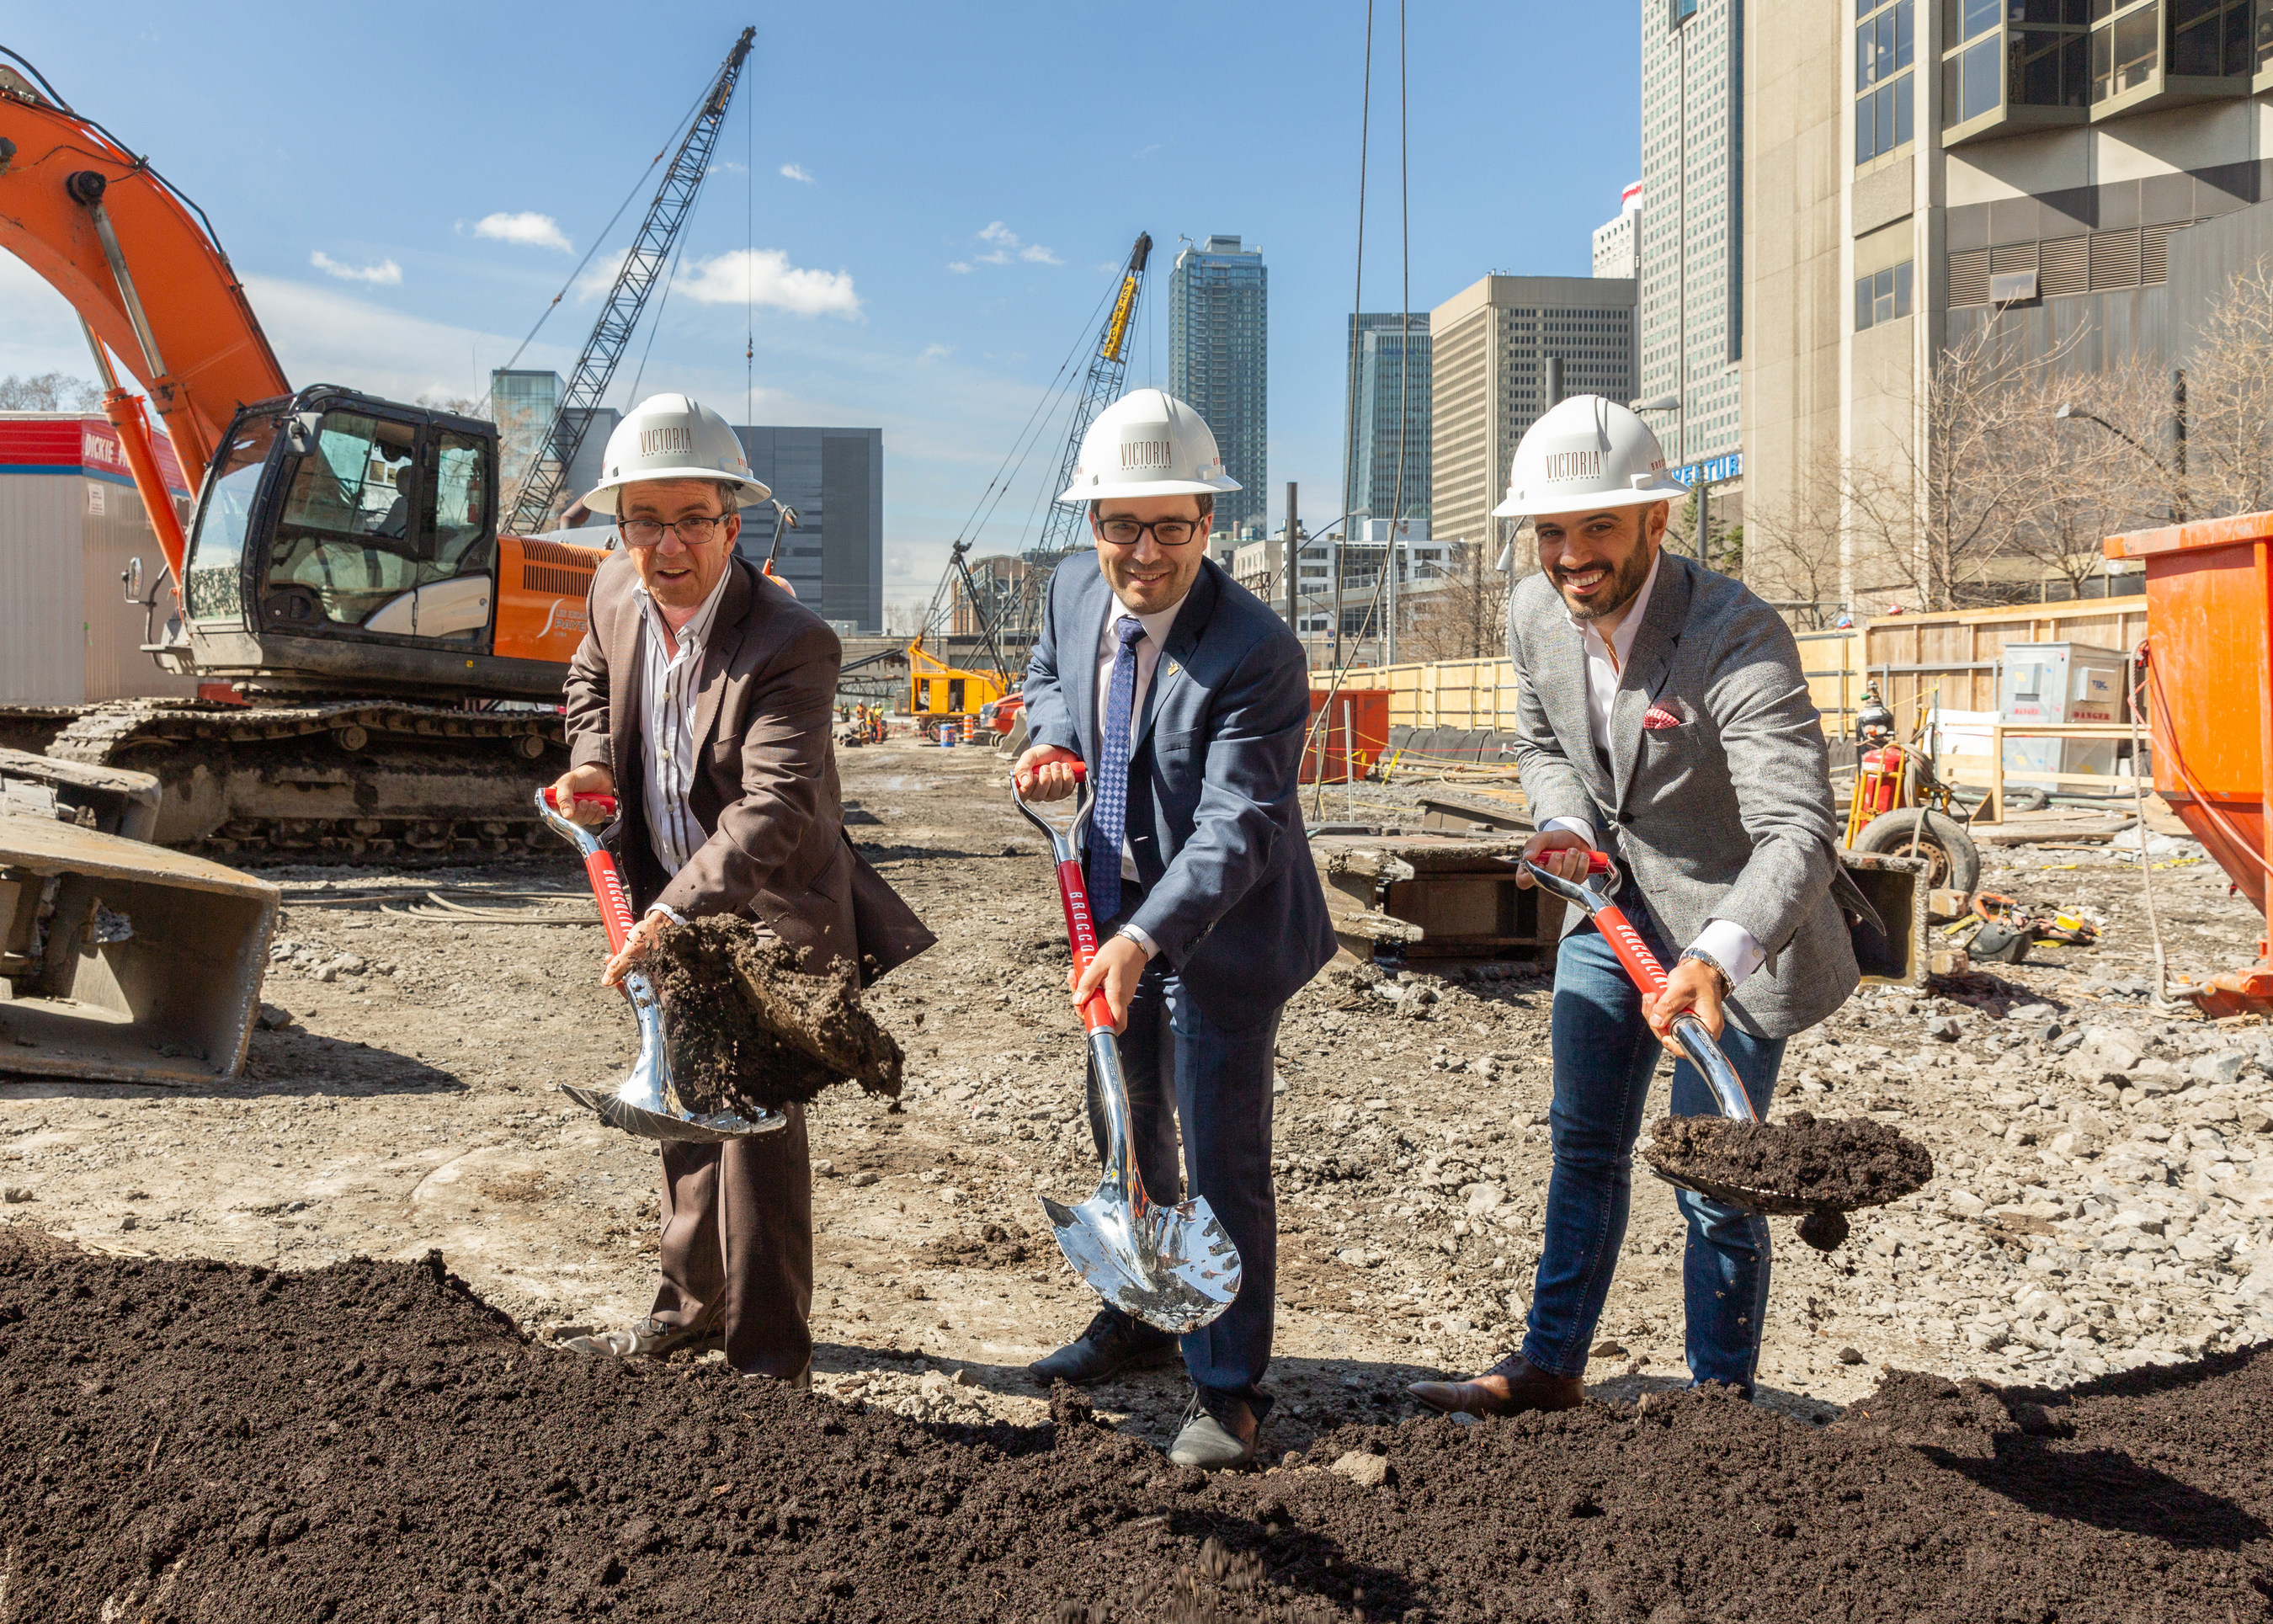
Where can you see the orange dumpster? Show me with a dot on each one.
(1355, 734)
(2209, 686)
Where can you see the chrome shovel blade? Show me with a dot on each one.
(1176, 1271)
(647, 1102)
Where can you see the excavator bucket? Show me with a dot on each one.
(119, 961)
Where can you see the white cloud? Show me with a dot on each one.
(320, 331)
(961, 267)
(798, 171)
(529, 228)
(934, 352)
(602, 275)
(1005, 245)
(386, 274)
(765, 276)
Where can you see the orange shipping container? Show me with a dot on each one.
(1354, 738)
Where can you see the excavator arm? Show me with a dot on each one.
(145, 275)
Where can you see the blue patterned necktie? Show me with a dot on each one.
(1110, 821)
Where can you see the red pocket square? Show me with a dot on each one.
(1658, 717)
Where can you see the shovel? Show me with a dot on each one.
(647, 1103)
(1173, 1267)
(1594, 897)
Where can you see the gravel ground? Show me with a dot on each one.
(2104, 1195)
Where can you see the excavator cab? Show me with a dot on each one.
(344, 542)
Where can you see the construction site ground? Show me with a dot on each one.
(2103, 1197)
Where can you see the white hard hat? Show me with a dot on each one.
(1148, 443)
(1590, 453)
(670, 437)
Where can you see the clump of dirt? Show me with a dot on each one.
(1836, 1166)
(751, 1032)
(184, 1440)
(1825, 1231)
(992, 1245)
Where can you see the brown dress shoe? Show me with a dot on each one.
(1509, 1387)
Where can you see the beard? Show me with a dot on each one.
(1625, 581)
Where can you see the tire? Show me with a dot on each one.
(1954, 862)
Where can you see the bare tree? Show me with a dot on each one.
(2229, 402)
(2087, 463)
(49, 391)
(1793, 554)
(1460, 615)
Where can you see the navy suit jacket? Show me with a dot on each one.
(1232, 897)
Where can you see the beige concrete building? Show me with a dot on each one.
(1496, 343)
(1916, 172)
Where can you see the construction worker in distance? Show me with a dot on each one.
(1189, 698)
(1662, 717)
(700, 700)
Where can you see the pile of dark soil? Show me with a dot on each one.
(1836, 1166)
(369, 1441)
(750, 1032)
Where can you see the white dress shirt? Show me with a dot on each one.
(1148, 660)
(1730, 945)
(669, 688)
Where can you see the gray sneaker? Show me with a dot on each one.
(649, 1338)
(1214, 1444)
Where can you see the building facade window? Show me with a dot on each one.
(1886, 42)
(2126, 41)
(2210, 38)
(1883, 295)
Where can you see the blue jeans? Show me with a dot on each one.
(1183, 1067)
(1605, 1054)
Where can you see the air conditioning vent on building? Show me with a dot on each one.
(2114, 259)
(2011, 258)
(2012, 287)
(2064, 266)
(1968, 277)
(2154, 253)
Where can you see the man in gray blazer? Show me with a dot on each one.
(1663, 716)
(1188, 699)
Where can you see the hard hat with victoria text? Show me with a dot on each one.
(1587, 452)
(1148, 443)
(670, 437)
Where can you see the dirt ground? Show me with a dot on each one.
(2103, 1198)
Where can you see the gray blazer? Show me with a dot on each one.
(1231, 894)
(1728, 816)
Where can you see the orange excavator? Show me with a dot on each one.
(381, 665)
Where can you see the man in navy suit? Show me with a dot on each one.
(1189, 699)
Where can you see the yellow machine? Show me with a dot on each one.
(938, 689)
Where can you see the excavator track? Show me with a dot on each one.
(332, 780)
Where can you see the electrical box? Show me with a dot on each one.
(2061, 684)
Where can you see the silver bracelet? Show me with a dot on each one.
(1698, 954)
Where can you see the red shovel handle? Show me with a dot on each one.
(1632, 951)
(1081, 931)
(607, 885)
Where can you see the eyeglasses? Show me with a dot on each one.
(1129, 532)
(694, 531)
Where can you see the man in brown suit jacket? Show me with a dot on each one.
(702, 699)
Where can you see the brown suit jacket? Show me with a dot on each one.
(765, 786)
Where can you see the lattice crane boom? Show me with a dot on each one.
(1108, 367)
(642, 267)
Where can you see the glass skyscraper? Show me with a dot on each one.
(1389, 368)
(1693, 225)
(523, 402)
(1218, 336)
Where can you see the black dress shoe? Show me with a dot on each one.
(1114, 1343)
(1510, 1387)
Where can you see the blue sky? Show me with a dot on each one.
(349, 157)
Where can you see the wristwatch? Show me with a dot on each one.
(1701, 956)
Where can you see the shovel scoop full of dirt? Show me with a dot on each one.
(1796, 1165)
(748, 1028)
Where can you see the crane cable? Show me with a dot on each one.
(1320, 722)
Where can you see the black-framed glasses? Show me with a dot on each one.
(696, 530)
(1167, 532)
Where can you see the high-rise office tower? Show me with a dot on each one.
(1219, 359)
(1617, 242)
(834, 560)
(1692, 267)
(523, 402)
(1388, 385)
(1497, 349)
